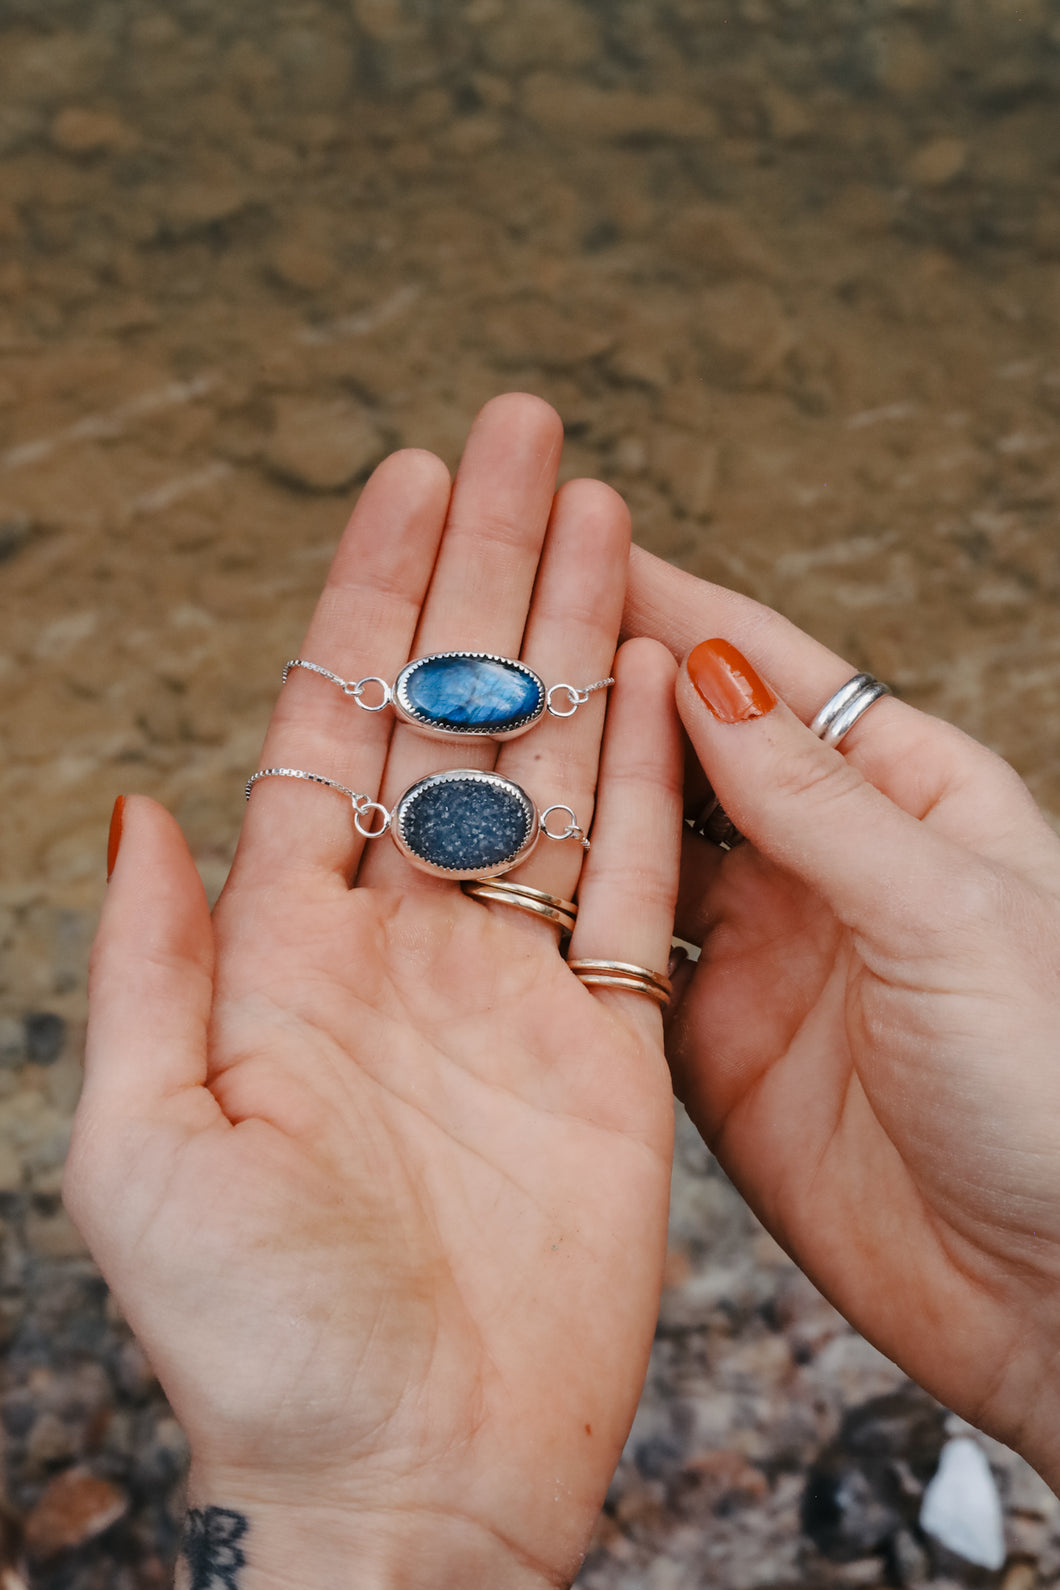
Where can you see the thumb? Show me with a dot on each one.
(150, 984)
(805, 807)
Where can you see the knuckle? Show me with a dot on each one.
(813, 773)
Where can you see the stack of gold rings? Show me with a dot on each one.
(563, 914)
(623, 974)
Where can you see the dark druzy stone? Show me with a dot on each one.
(465, 823)
(474, 694)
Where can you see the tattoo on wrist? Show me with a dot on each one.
(211, 1547)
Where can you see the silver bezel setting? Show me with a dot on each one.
(464, 774)
(418, 720)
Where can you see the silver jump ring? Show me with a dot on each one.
(572, 831)
(576, 697)
(841, 711)
(358, 690)
(365, 809)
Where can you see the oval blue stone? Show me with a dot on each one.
(464, 823)
(469, 694)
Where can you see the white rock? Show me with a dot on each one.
(961, 1508)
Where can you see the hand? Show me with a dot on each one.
(870, 1038)
(381, 1187)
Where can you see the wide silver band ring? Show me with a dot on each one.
(549, 907)
(624, 974)
(840, 712)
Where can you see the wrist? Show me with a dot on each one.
(298, 1542)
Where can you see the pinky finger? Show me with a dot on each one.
(629, 885)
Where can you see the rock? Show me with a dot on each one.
(938, 163)
(12, 1043)
(45, 1036)
(15, 531)
(196, 206)
(90, 132)
(534, 331)
(866, 1485)
(686, 467)
(788, 118)
(51, 1441)
(744, 334)
(51, 1234)
(299, 264)
(961, 1507)
(566, 105)
(74, 1509)
(540, 32)
(322, 446)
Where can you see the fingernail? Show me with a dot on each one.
(678, 957)
(114, 837)
(727, 684)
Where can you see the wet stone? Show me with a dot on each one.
(480, 695)
(464, 824)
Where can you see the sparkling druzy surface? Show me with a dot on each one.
(480, 695)
(465, 823)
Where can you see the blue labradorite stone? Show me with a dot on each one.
(465, 823)
(472, 694)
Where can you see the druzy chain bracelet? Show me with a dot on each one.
(460, 824)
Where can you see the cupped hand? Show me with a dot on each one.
(380, 1185)
(870, 1040)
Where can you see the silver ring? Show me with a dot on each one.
(840, 712)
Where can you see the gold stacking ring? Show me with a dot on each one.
(561, 913)
(624, 974)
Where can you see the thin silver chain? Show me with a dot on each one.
(363, 805)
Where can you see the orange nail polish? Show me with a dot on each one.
(114, 837)
(727, 683)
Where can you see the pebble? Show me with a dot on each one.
(565, 105)
(938, 163)
(744, 334)
(75, 1507)
(45, 1036)
(319, 446)
(90, 132)
(192, 207)
(961, 1507)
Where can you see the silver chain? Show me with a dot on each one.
(349, 687)
(363, 805)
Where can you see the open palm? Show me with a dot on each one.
(869, 1040)
(381, 1186)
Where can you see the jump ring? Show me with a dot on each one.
(367, 831)
(577, 699)
(572, 830)
(357, 691)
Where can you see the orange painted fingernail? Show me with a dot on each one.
(117, 817)
(727, 683)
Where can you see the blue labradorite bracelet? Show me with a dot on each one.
(454, 694)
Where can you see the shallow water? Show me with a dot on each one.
(789, 271)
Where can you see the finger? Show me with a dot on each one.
(151, 977)
(571, 636)
(363, 624)
(481, 587)
(806, 807)
(629, 883)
